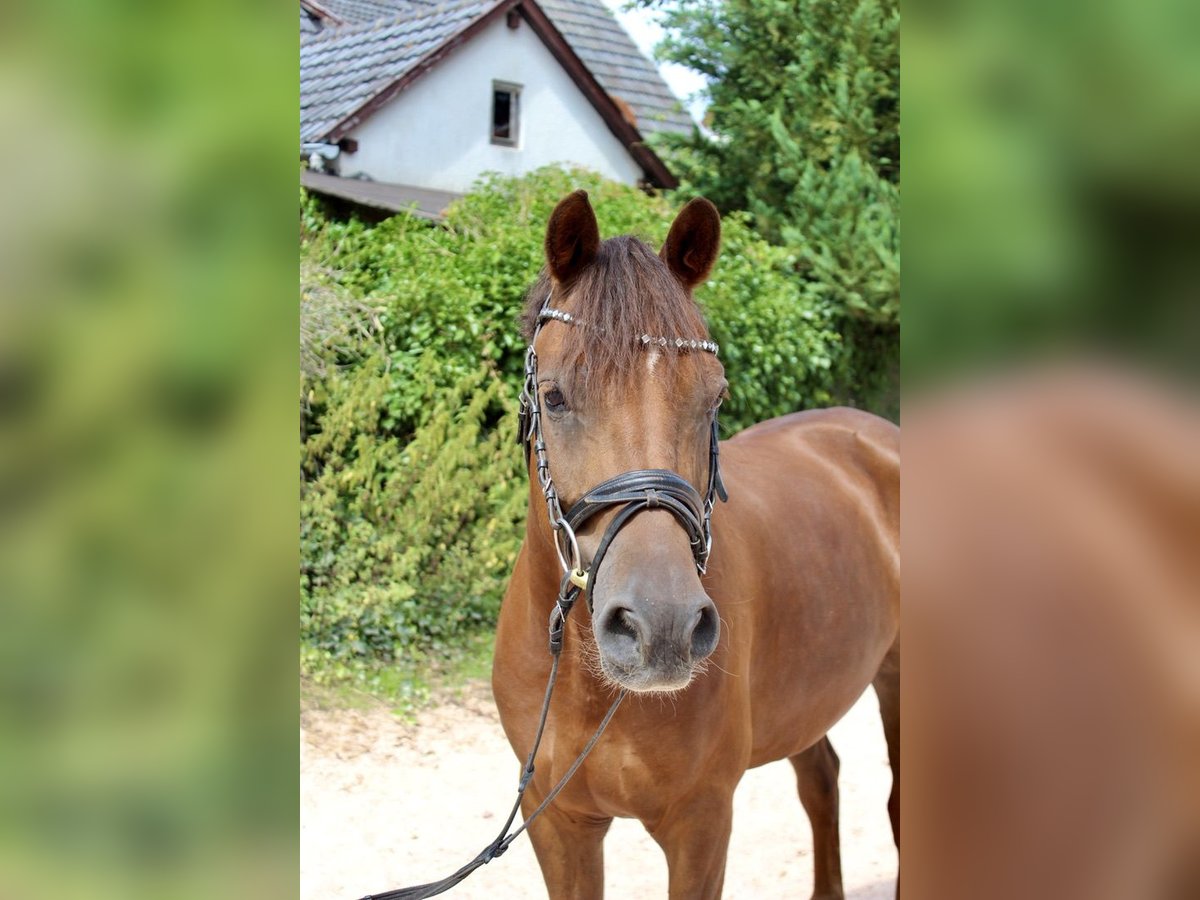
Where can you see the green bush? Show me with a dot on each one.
(413, 487)
(407, 544)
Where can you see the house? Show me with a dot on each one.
(405, 101)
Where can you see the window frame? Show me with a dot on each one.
(514, 114)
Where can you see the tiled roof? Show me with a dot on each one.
(611, 55)
(341, 68)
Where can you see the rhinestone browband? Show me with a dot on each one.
(647, 340)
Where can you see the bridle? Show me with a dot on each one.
(634, 492)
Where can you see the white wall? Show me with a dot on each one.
(437, 133)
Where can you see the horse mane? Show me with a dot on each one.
(626, 292)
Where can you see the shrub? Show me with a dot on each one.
(407, 544)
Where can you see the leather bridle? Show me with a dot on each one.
(634, 492)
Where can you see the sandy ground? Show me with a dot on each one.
(385, 804)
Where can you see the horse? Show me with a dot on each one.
(736, 646)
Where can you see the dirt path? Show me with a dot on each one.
(384, 804)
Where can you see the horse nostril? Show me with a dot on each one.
(623, 624)
(705, 632)
(620, 626)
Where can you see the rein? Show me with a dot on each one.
(635, 491)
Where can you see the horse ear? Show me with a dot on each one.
(693, 242)
(572, 237)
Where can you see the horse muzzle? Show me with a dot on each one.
(649, 644)
(653, 622)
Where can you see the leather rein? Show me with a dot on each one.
(634, 492)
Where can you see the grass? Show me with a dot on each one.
(407, 686)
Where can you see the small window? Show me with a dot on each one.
(505, 113)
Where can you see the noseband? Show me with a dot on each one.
(634, 492)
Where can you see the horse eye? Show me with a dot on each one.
(718, 400)
(555, 400)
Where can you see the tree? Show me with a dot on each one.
(805, 136)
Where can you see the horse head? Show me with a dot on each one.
(627, 383)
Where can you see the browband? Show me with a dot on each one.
(548, 312)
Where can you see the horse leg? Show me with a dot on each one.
(887, 689)
(695, 838)
(817, 780)
(570, 851)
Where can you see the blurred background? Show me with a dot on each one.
(147, 488)
(1051, 516)
(1052, 182)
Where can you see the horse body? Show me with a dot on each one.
(804, 577)
(813, 490)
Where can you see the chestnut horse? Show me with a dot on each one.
(796, 611)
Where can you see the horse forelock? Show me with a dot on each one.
(626, 293)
